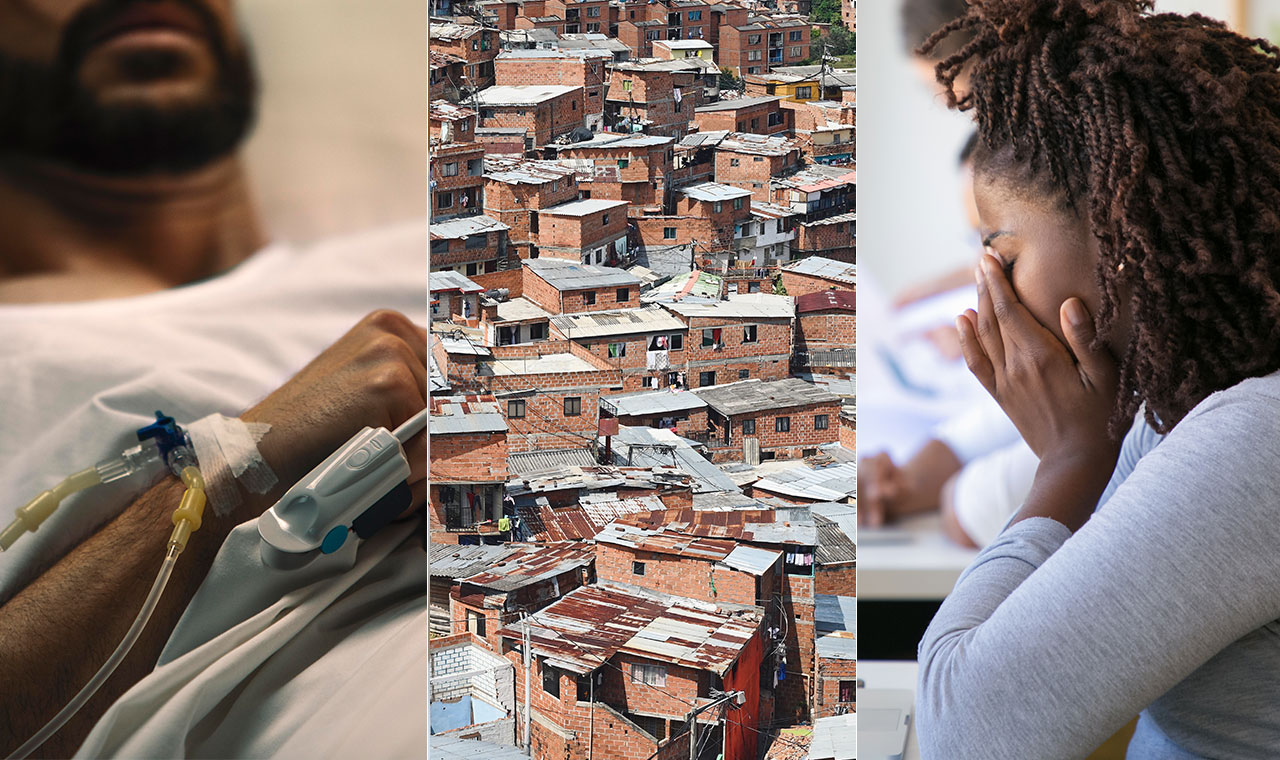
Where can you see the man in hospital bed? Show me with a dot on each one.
(135, 276)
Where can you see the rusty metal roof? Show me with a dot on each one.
(597, 478)
(591, 624)
(583, 520)
(532, 564)
(455, 561)
(765, 526)
(620, 533)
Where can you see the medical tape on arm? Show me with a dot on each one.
(227, 449)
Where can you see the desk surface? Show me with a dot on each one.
(892, 674)
(910, 560)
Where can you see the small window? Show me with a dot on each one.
(706, 379)
(475, 623)
(669, 233)
(624, 163)
(515, 409)
(753, 39)
(593, 29)
(709, 337)
(804, 92)
(617, 350)
(589, 297)
(624, 295)
(573, 105)
(594, 12)
(551, 680)
(749, 334)
(473, 269)
(449, 170)
(782, 425)
(775, 119)
(733, 162)
(475, 167)
(794, 36)
(748, 427)
(744, 374)
(758, 159)
(795, 51)
(847, 691)
(439, 246)
(477, 241)
(753, 287)
(654, 675)
(718, 207)
(820, 422)
(755, 124)
(444, 200)
(626, 85)
(695, 15)
(637, 568)
(572, 406)
(604, 219)
(538, 331)
(675, 342)
(737, 204)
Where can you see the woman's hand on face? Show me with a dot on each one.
(1059, 402)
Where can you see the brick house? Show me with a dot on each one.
(454, 297)
(810, 484)
(757, 534)
(468, 467)
(713, 213)
(510, 321)
(574, 68)
(836, 557)
(836, 651)
(568, 485)
(581, 16)
(549, 391)
(592, 231)
(826, 330)
(833, 237)
(565, 287)
(784, 418)
(606, 689)
(816, 274)
(766, 241)
(582, 521)
(449, 562)
(553, 24)
(503, 141)
(646, 95)
(762, 115)
(672, 49)
(445, 76)
(469, 245)
(639, 35)
(742, 337)
(683, 413)
(633, 168)
(528, 579)
(450, 123)
(800, 83)
(825, 130)
(457, 179)
(476, 45)
(749, 161)
(817, 191)
(517, 189)
(544, 111)
(764, 43)
(638, 341)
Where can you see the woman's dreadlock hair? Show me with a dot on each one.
(1163, 133)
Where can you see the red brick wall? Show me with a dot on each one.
(753, 172)
(511, 279)
(680, 576)
(793, 694)
(830, 672)
(574, 301)
(837, 580)
(848, 433)
(798, 284)
(581, 232)
(739, 119)
(502, 144)
(544, 121)
(826, 329)
(511, 204)
(696, 423)
(459, 253)
(773, 339)
(833, 241)
(569, 70)
(784, 445)
(468, 457)
(650, 231)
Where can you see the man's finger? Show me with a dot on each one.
(1096, 366)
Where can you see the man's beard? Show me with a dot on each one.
(45, 113)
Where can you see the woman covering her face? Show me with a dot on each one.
(1128, 183)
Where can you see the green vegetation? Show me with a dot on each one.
(841, 43)
(729, 80)
(825, 11)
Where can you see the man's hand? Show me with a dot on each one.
(376, 375)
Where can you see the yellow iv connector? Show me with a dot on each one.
(38, 509)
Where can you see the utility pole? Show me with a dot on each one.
(737, 697)
(528, 674)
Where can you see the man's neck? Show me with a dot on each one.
(70, 236)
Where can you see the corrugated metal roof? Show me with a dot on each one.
(655, 402)
(620, 533)
(532, 564)
(739, 306)
(844, 515)
(817, 177)
(650, 447)
(730, 105)
(521, 171)
(597, 478)
(834, 545)
(827, 269)
(557, 53)
(450, 31)
(529, 462)
(835, 738)
(567, 275)
(450, 747)
(712, 191)
(851, 216)
(835, 613)
(466, 414)
(749, 396)
(621, 322)
(759, 145)
(456, 561)
(765, 526)
(519, 310)
(521, 94)
(581, 521)
(841, 300)
(451, 280)
(456, 229)
(463, 346)
(617, 140)
(583, 207)
(752, 560)
(835, 482)
(591, 624)
(837, 647)
(705, 139)
(687, 287)
(446, 111)
(770, 210)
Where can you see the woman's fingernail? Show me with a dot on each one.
(977, 275)
(1076, 313)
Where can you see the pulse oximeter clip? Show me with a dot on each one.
(360, 488)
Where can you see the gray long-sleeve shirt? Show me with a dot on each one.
(1167, 601)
